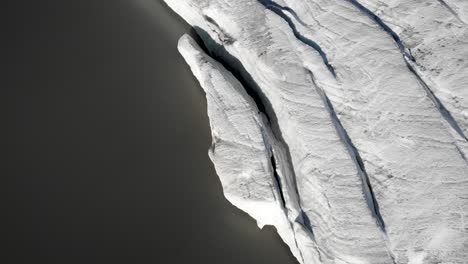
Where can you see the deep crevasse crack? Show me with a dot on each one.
(406, 52)
(278, 9)
(283, 8)
(443, 111)
(356, 158)
(352, 150)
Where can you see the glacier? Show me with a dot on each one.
(342, 123)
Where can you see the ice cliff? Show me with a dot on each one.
(343, 123)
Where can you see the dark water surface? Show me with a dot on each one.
(106, 143)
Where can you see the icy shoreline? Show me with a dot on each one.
(350, 148)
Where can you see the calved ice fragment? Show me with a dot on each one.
(369, 167)
(250, 163)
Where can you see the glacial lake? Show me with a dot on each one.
(108, 146)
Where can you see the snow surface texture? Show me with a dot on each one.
(343, 123)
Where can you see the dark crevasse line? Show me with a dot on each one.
(233, 65)
(283, 8)
(278, 9)
(409, 60)
(278, 183)
(280, 187)
(405, 51)
(214, 50)
(352, 150)
(356, 158)
(450, 9)
(307, 223)
(462, 154)
(277, 177)
(443, 111)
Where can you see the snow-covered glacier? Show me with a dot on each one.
(342, 123)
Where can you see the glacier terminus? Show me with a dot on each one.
(342, 123)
